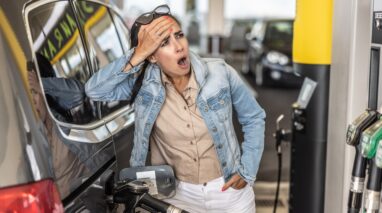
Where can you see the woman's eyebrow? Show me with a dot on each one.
(177, 33)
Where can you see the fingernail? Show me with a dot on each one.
(223, 189)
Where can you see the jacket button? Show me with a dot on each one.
(206, 109)
(224, 164)
(221, 101)
(214, 129)
(220, 146)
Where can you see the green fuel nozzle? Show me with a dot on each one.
(363, 121)
(353, 138)
(370, 139)
(378, 155)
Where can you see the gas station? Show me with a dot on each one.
(334, 128)
(335, 137)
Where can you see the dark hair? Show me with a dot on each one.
(46, 68)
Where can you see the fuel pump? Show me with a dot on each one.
(353, 136)
(305, 192)
(369, 142)
(280, 135)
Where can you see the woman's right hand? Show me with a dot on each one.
(150, 37)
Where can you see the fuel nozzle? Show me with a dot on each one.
(378, 155)
(370, 142)
(353, 135)
(355, 129)
(281, 134)
(370, 138)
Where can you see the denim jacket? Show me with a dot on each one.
(220, 88)
(67, 92)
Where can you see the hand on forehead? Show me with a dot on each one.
(157, 21)
(150, 36)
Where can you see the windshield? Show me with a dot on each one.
(279, 34)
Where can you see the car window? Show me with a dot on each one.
(103, 41)
(81, 145)
(123, 32)
(62, 63)
(280, 33)
(100, 34)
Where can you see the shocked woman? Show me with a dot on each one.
(183, 107)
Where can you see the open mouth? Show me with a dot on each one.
(182, 61)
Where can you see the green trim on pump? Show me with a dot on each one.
(370, 139)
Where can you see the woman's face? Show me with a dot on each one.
(172, 56)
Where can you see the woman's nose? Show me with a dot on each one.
(178, 46)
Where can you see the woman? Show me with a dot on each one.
(184, 111)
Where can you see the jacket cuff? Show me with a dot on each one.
(124, 62)
(249, 179)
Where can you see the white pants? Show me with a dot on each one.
(197, 198)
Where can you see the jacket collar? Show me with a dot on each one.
(200, 69)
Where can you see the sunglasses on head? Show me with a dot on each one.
(147, 18)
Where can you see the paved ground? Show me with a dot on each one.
(265, 196)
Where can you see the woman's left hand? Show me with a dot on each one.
(235, 182)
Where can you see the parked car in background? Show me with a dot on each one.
(236, 41)
(269, 55)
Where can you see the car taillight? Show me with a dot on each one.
(41, 196)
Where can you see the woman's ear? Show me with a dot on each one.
(152, 59)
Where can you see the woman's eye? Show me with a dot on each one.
(180, 35)
(164, 43)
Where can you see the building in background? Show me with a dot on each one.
(194, 15)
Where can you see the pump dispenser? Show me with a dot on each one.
(357, 184)
(369, 139)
